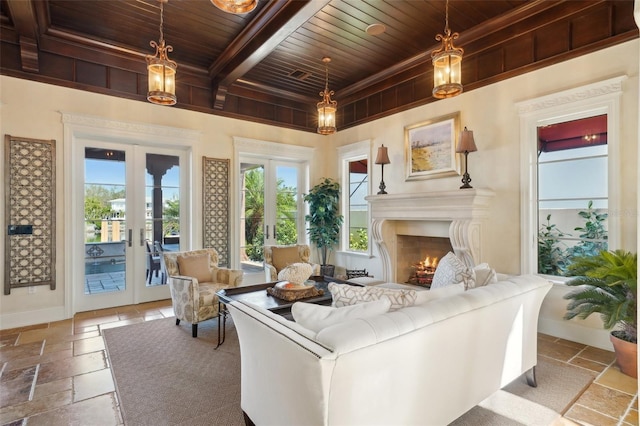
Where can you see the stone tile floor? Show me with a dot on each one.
(59, 374)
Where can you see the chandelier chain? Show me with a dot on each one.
(446, 17)
(161, 20)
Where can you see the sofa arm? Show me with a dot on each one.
(316, 269)
(184, 293)
(231, 277)
(270, 273)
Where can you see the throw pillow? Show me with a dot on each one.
(345, 295)
(196, 267)
(296, 273)
(281, 257)
(485, 275)
(451, 270)
(316, 317)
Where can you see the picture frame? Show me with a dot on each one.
(430, 148)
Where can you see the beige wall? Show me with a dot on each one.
(492, 115)
(32, 110)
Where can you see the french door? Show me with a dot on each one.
(129, 198)
(272, 209)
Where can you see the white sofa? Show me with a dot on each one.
(425, 364)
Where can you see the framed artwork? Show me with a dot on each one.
(430, 148)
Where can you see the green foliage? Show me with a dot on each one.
(286, 210)
(551, 258)
(96, 203)
(324, 216)
(592, 231)
(554, 257)
(171, 218)
(607, 284)
(359, 241)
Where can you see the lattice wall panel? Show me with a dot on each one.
(215, 206)
(29, 213)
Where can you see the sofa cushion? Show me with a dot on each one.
(196, 267)
(365, 281)
(439, 293)
(316, 317)
(296, 273)
(452, 270)
(484, 275)
(281, 257)
(345, 295)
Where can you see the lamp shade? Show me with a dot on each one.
(383, 156)
(467, 143)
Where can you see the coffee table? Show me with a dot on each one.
(257, 295)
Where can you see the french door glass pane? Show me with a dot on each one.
(162, 211)
(105, 220)
(286, 232)
(252, 214)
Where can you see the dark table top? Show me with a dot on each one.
(257, 295)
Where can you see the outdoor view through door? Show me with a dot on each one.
(270, 206)
(110, 227)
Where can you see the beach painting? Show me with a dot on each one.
(430, 148)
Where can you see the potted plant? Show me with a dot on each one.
(324, 219)
(607, 284)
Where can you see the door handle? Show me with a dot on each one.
(130, 239)
(267, 232)
(141, 237)
(274, 232)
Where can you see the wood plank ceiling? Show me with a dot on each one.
(266, 66)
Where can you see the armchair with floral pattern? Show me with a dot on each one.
(194, 278)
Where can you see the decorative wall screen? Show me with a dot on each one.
(215, 206)
(30, 207)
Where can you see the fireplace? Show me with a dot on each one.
(455, 216)
(418, 257)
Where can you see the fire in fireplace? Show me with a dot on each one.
(423, 271)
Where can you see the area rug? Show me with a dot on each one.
(164, 376)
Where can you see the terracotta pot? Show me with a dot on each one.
(626, 356)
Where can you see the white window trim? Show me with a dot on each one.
(585, 101)
(347, 153)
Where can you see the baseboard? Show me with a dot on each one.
(569, 330)
(40, 316)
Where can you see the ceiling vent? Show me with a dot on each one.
(299, 75)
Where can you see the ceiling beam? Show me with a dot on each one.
(275, 22)
(23, 16)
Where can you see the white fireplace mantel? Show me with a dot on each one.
(459, 211)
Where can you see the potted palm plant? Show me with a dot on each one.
(607, 284)
(324, 219)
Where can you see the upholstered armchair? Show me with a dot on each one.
(276, 258)
(194, 278)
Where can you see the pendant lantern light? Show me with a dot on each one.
(237, 7)
(162, 70)
(327, 108)
(447, 64)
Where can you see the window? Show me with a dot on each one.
(553, 178)
(357, 220)
(355, 186)
(572, 192)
